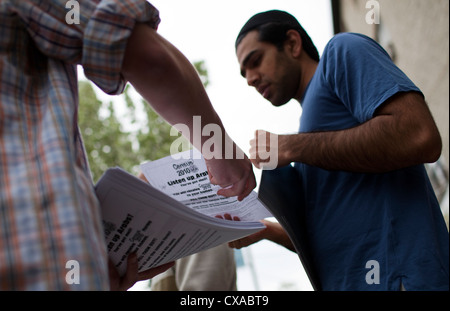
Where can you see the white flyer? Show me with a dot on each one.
(184, 177)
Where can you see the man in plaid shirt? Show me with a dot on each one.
(49, 214)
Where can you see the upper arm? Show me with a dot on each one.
(413, 121)
(362, 75)
(146, 53)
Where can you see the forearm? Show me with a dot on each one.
(273, 232)
(167, 80)
(278, 235)
(393, 139)
(348, 150)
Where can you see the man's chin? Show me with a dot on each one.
(277, 102)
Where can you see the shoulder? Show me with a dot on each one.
(353, 43)
(350, 38)
(354, 50)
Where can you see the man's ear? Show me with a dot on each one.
(293, 43)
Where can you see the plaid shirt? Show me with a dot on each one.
(49, 215)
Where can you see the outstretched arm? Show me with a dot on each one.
(273, 232)
(168, 81)
(402, 133)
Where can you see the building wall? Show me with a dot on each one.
(416, 33)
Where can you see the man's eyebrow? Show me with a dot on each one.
(244, 63)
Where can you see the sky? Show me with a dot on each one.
(206, 30)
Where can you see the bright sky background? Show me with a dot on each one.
(206, 30)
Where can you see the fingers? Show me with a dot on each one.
(142, 177)
(254, 157)
(150, 273)
(114, 277)
(251, 239)
(228, 217)
(132, 275)
(238, 244)
(251, 184)
(241, 189)
(244, 242)
(234, 176)
(264, 150)
(212, 178)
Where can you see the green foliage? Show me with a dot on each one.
(123, 139)
(203, 72)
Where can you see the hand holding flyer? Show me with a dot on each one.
(184, 177)
(171, 216)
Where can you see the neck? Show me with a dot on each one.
(308, 69)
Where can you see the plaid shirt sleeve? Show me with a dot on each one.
(97, 42)
(105, 39)
(49, 214)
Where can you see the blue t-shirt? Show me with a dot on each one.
(366, 229)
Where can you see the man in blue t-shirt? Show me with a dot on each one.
(373, 221)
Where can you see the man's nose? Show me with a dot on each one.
(252, 78)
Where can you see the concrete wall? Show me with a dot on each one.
(416, 33)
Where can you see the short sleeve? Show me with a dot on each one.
(362, 75)
(97, 42)
(105, 39)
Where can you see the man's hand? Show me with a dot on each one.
(273, 232)
(269, 151)
(235, 176)
(132, 275)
